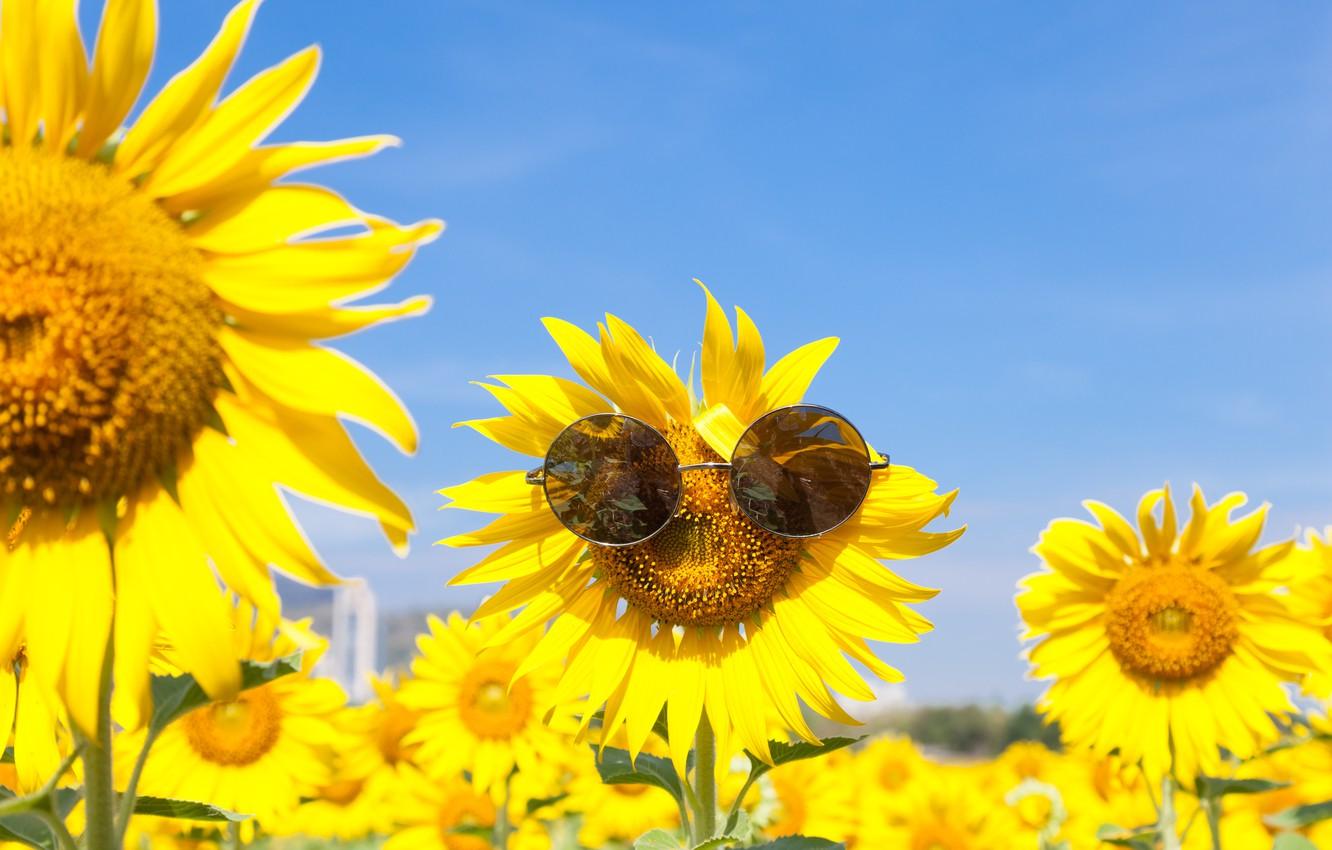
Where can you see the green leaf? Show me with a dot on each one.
(27, 829)
(716, 843)
(176, 696)
(486, 832)
(1213, 786)
(1293, 841)
(738, 826)
(1299, 817)
(1140, 838)
(7, 757)
(163, 807)
(658, 839)
(533, 806)
(800, 842)
(784, 753)
(616, 769)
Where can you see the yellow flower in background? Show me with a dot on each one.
(474, 713)
(160, 296)
(1308, 770)
(885, 767)
(814, 797)
(1166, 641)
(943, 807)
(617, 815)
(1312, 589)
(261, 752)
(375, 745)
(449, 814)
(714, 614)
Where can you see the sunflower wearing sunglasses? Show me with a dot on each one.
(719, 558)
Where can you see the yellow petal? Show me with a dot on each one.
(186, 600)
(721, 428)
(236, 488)
(319, 381)
(788, 379)
(185, 99)
(327, 322)
(222, 139)
(121, 60)
(495, 492)
(582, 352)
(314, 274)
(271, 217)
(312, 455)
(632, 361)
(64, 74)
(261, 166)
(19, 27)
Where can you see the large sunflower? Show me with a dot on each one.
(160, 295)
(474, 714)
(713, 614)
(1166, 643)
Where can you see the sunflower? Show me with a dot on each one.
(720, 617)
(1313, 594)
(160, 299)
(943, 808)
(1167, 643)
(474, 714)
(375, 745)
(616, 815)
(449, 814)
(810, 798)
(261, 752)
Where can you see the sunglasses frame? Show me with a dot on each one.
(538, 477)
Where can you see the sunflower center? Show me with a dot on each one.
(489, 705)
(458, 814)
(238, 732)
(939, 836)
(1171, 622)
(108, 351)
(710, 566)
(342, 793)
(394, 724)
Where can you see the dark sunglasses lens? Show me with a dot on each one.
(801, 471)
(612, 480)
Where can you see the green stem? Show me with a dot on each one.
(1213, 807)
(132, 789)
(705, 780)
(740, 798)
(502, 825)
(234, 836)
(1169, 835)
(99, 792)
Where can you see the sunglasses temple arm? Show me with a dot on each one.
(536, 477)
(716, 464)
(881, 463)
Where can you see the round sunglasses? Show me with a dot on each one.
(798, 471)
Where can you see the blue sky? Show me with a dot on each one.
(1072, 250)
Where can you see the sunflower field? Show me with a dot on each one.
(689, 571)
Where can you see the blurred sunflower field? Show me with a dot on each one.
(690, 568)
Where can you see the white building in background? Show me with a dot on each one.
(353, 650)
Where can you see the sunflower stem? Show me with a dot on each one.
(502, 825)
(1169, 834)
(705, 781)
(99, 794)
(132, 789)
(1213, 807)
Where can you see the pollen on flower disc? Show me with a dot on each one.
(109, 357)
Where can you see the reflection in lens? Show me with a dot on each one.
(800, 471)
(612, 479)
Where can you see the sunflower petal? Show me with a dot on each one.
(121, 60)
